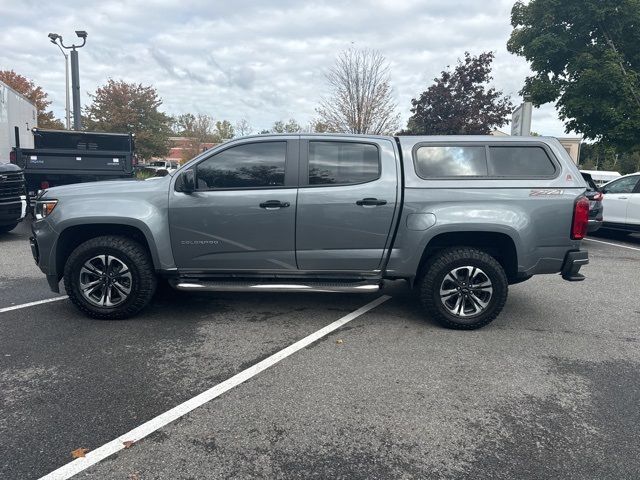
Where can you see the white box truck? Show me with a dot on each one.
(16, 110)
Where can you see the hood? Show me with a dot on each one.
(108, 188)
(9, 167)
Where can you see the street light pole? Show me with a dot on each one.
(75, 76)
(75, 90)
(66, 84)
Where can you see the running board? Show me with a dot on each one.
(276, 286)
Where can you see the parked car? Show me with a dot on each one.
(595, 203)
(13, 197)
(622, 204)
(460, 218)
(164, 165)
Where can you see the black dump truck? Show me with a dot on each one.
(13, 197)
(62, 157)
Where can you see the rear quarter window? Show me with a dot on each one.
(520, 161)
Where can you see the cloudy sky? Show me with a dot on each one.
(259, 60)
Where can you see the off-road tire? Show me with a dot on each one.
(7, 228)
(444, 262)
(136, 257)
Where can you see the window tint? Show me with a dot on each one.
(451, 161)
(244, 166)
(342, 163)
(624, 185)
(519, 162)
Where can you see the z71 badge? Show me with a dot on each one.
(545, 192)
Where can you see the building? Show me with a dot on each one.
(572, 146)
(185, 148)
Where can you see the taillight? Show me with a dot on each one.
(580, 218)
(12, 157)
(44, 185)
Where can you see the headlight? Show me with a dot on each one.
(44, 208)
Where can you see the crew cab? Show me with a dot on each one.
(458, 217)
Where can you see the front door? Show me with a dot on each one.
(242, 214)
(616, 199)
(346, 203)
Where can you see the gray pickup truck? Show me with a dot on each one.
(458, 217)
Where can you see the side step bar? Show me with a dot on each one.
(275, 286)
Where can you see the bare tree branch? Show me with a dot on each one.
(360, 99)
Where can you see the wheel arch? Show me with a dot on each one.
(499, 245)
(74, 235)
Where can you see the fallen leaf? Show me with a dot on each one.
(134, 476)
(339, 341)
(128, 443)
(79, 452)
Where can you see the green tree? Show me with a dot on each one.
(36, 94)
(292, 126)
(585, 56)
(460, 102)
(598, 156)
(223, 131)
(119, 106)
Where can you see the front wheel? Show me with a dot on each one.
(463, 288)
(110, 277)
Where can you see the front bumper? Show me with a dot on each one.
(43, 247)
(13, 211)
(573, 261)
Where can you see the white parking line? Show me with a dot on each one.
(31, 304)
(138, 433)
(614, 244)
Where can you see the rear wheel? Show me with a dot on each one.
(463, 288)
(110, 277)
(7, 228)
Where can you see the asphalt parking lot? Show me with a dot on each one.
(549, 390)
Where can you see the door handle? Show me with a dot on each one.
(274, 204)
(623, 198)
(370, 202)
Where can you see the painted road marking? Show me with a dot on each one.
(138, 433)
(614, 244)
(31, 304)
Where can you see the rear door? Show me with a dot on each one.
(633, 207)
(346, 203)
(616, 198)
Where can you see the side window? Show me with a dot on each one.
(252, 165)
(520, 162)
(450, 161)
(624, 185)
(342, 163)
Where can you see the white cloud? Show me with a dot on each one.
(262, 60)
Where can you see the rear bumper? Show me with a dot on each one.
(573, 262)
(594, 225)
